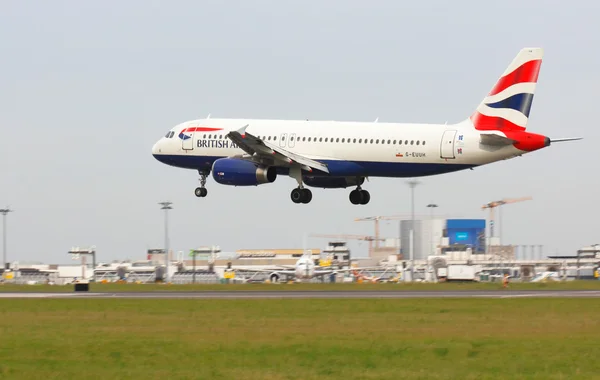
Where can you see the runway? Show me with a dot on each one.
(316, 294)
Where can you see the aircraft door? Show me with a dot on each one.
(187, 137)
(282, 139)
(447, 144)
(292, 141)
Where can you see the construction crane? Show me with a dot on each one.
(494, 204)
(370, 239)
(376, 219)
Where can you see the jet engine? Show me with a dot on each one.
(237, 172)
(274, 277)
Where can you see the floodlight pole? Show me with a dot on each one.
(4, 212)
(412, 184)
(166, 206)
(432, 206)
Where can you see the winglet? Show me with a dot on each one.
(242, 131)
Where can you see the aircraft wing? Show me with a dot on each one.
(255, 146)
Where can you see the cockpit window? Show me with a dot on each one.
(167, 135)
(170, 134)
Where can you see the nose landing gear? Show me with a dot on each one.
(201, 191)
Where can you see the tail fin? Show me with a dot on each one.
(507, 106)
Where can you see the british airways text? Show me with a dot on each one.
(225, 144)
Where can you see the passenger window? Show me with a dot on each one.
(394, 142)
(423, 142)
(371, 141)
(337, 140)
(418, 142)
(320, 139)
(411, 142)
(389, 142)
(377, 141)
(354, 141)
(405, 142)
(343, 140)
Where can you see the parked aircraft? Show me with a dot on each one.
(303, 269)
(335, 154)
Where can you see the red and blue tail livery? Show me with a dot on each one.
(335, 155)
(507, 106)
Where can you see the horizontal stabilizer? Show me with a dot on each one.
(566, 139)
(495, 140)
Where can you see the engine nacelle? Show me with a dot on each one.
(236, 172)
(274, 277)
(332, 182)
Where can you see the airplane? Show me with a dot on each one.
(303, 269)
(336, 154)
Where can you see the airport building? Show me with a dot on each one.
(435, 237)
(441, 247)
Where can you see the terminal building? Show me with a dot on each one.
(435, 237)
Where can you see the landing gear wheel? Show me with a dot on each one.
(296, 195)
(306, 195)
(359, 197)
(355, 197)
(301, 195)
(201, 192)
(366, 197)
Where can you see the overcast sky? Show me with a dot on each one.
(86, 88)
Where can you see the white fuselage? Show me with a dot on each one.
(349, 148)
(304, 268)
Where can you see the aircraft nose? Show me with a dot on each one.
(156, 148)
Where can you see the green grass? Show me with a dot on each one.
(114, 287)
(300, 339)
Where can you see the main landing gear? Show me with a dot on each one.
(201, 191)
(359, 196)
(301, 195)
